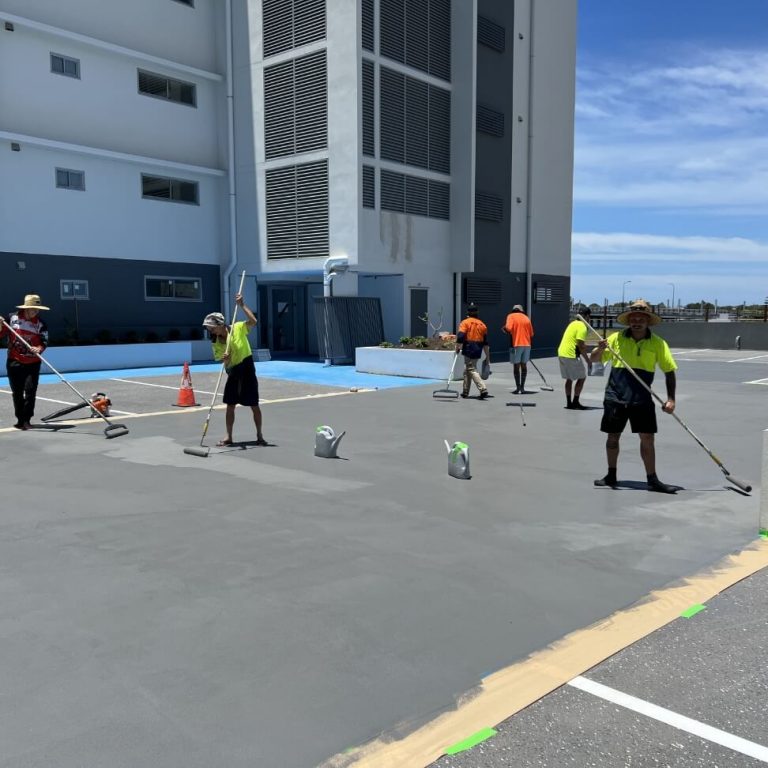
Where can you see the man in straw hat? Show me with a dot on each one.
(230, 345)
(625, 399)
(23, 366)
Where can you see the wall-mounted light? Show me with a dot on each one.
(15, 146)
(519, 118)
(21, 265)
(8, 26)
(518, 199)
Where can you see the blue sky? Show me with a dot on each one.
(671, 159)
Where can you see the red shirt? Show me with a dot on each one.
(34, 332)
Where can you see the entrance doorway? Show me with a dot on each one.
(282, 319)
(419, 305)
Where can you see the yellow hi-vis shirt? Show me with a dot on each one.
(643, 356)
(239, 348)
(576, 331)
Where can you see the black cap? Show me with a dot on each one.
(472, 308)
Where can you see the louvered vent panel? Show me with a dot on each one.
(439, 38)
(549, 293)
(439, 200)
(392, 29)
(417, 133)
(312, 209)
(489, 121)
(488, 207)
(153, 84)
(308, 21)
(282, 238)
(392, 191)
(367, 24)
(278, 110)
(439, 129)
(482, 291)
(491, 34)
(369, 187)
(311, 103)
(277, 21)
(392, 115)
(417, 34)
(416, 196)
(369, 147)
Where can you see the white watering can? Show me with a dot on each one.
(326, 442)
(458, 460)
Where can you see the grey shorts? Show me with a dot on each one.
(572, 368)
(519, 354)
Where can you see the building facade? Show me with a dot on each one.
(152, 151)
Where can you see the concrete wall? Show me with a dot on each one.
(714, 335)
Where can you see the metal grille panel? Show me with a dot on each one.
(439, 200)
(367, 24)
(488, 207)
(369, 141)
(392, 115)
(297, 211)
(392, 191)
(489, 121)
(549, 293)
(369, 187)
(482, 291)
(288, 24)
(440, 39)
(491, 34)
(415, 195)
(439, 129)
(417, 132)
(344, 323)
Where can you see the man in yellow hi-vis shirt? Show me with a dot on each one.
(573, 347)
(626, 400)
(230, 345)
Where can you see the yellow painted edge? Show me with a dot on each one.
(506, 692)
(195, 409)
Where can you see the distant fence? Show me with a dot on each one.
(714, 335)
(344, 323)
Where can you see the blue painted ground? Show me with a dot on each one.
(343, 376)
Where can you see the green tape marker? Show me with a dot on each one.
(692, 611)
(472, 741)
(764, 533)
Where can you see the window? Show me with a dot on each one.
(73, 289)
(67, 179)
(175, 190)
(64, 65)
(162, 87)
(172, 288)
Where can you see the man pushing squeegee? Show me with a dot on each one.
(628, 392)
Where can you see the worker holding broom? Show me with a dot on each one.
(626, 399)
(230, 346)
(520, 331)
(472, 342)
(23, 363)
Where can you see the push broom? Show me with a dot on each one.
(111, 430)
(545, 386)
(746, 487)
(446, 393)
(203, 450)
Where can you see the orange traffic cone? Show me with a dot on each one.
(186, 393)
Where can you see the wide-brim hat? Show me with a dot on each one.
(639, 306)
(32, 301)
(214, 320)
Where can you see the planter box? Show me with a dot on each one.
(421, 363)
(105, 357)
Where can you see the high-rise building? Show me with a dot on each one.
(150, 151)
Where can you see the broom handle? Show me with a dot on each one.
(37, 354)
(226, 352)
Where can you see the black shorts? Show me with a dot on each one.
(242, 387)
(642, 418)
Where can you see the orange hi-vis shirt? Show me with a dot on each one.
(520, 329)
(472, 336)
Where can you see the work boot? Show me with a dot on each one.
(465, 395)
(577, 406)
(609, 481)
(484, 394)
(654, 484)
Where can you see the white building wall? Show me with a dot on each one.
(553, 75)
(162, 28)
(110, 219)
(103, 108)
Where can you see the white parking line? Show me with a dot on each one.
(161, 386)
(764, 382)
(46, 399)
(715, 735)
(743, 359)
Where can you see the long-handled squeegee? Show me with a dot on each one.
(111, 430)
(746, 487)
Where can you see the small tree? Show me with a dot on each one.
(435, 328)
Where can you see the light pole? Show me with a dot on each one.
(673, 295)
(623, 285)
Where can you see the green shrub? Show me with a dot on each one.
(405, 340)
(386, 344)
